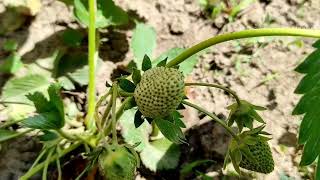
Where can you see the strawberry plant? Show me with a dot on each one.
(147, 103)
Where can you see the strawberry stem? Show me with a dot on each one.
(214, 117)
(234, 94)
(89, 121)
(240, 35)
(114, 116)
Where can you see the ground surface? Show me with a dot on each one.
(260, 71)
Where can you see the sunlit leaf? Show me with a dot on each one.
(12, 64)
(308, 105)
(160, 155)
(143, 42)
(107, 14)
(16, 89)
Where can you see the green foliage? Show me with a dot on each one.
(160, 154)
(16, 89)
(170, 130)
(107, 14)
(131, 134)
(10, 45)
(50, 112)
(156, 155)
(7, 134)
(12, 64)
(72, 37)
(309, 86)
(143, 42)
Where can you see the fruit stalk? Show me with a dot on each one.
(114, 116)
(214, 117)
(234, 94)
(240, 35)
(37, 168)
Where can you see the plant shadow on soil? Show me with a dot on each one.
(207, 141)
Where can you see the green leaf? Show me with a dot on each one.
(16, 89)
(316, 44)
(47, 120)
(10, 45)
(107, 14)
(66, 83)
(72, 37)
(318, 170)
(50, 113)
(136, 76)
(171, 131)
(310, 64)
(146, 63)
(143, 42)
(56, 100)
(130, 133)
(161, 155)
(309, 86)
(12, 64)
(185, 67)
(40, 102)
(240, 6)
(126, 85)
(7, 134)
(48, 136)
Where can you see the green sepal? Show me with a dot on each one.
(138, 120)
(126, 85)
(136, 76)
(236, 156)
(175, 118)
(244, 115)
(163, 62)
(146, 63)
(171, 131)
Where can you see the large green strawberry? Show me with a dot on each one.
(159, 92)
(117, 163)
(263, 161)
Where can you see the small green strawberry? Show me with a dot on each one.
(159, 92)
(262, 162)
(117, 163)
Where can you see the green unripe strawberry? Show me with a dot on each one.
(159, 92)
(263, 158)
(117, 164)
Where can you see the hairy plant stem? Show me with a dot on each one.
(114, 116)
(99, 121)
(240, 35)
(234, 94)
(214, 117)
(118, 114)
(40, 166)
(66, 135)
(92, 63)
